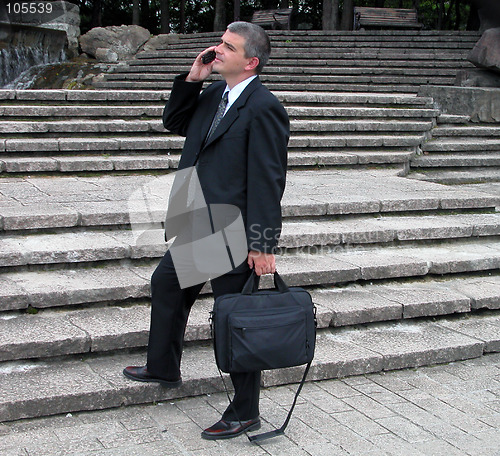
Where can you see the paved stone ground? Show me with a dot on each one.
(449, 410)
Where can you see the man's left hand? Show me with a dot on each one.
(264, 263)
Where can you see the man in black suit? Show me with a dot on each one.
(241, 162)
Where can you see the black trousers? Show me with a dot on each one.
(170, 307)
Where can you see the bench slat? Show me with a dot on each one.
(273, 18)
(389, 17)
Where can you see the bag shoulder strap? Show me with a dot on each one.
(275, 432)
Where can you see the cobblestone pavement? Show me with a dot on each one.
(448, 410)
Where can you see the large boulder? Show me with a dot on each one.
(123, 40)
(486, 52)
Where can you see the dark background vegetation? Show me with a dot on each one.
(188, 16)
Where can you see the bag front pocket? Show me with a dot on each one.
(267, 339)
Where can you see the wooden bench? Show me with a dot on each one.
(385, 18)
(276, 19)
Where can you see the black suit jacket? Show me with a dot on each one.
(244, 162)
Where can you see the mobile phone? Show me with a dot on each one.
(208, 57)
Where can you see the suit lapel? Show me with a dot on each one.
(233, 112)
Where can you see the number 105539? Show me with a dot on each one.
(29, 7)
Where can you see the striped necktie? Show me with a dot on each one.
(219, 114)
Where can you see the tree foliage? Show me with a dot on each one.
(189, 16)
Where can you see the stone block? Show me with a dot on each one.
(28, 390)
(412, 344)
(76, 164)
(425, 301)
(483, 294)
(137, 163)
(69, 248)
(306, 269)
(384, 264)
(44, 95)
(352, 307)
(95, 144)
(485, 328)
(86, 95)
(42, 289)
(30, 165)
(38, 336)
(28, 145)
(39, 216)
(102, 213)
(404, 202)
(12, 295)
(335, 357)
(7, 94)
(114, 328)
(481, 104)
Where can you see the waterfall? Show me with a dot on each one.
(28, 49)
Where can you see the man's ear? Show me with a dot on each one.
(254, 62)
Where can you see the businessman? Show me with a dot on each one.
(236, 136)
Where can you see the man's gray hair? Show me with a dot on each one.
(257, 43)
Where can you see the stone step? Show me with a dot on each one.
(100, 113)
(445, 119)
(37, 203)
(142, 162)
(358, 35)
(52, 333)
(119, 126)
(353, 41)
(462, 145)
(164, 78)
(90, 246)
(458, 161)
(173, 144)
(140, 97)
(470, 130)
(48, 387)
(77, 285)
(273, 86)
(151, 59)
(347, 52)
(287, 69)
(459, 177)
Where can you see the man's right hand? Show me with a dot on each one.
(200, 71)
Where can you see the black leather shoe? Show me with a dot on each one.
(229, 429)
(141, 374)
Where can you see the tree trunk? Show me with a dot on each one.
(183, 16)
(165, 16)
(96, 13)
(458, 16)
(145, 13)
(135, 12)
(347, 15)
(237, 4)
(440, 15)
(330, 14)
(220, 16)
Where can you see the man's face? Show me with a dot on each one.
(231, 60)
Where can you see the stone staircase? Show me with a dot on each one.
(64, 131)
(371, 61)
(460, 152)
(404, 272)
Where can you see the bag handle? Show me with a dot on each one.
(252, 284)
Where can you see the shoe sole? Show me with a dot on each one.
(164, 383)
(253, 427)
